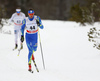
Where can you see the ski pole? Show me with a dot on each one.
(19, 52)
(20, 49)
(41, 48)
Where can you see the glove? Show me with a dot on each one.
(22, 38)
(41, 27)
(37, 22)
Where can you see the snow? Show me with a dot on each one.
(68, 55)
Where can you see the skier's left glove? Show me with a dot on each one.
(37, 22)
(22, 38)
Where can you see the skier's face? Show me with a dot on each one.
(18, 13)
(31, 15)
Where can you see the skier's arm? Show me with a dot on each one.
(11, 19)
(39, 22)
(23, 27)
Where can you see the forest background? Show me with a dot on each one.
(83, 11)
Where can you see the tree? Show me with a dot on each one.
(77, 14)
(85, 14)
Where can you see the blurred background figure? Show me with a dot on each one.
(17, 18)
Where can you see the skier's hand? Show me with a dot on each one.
(22, 38)
(37, 22)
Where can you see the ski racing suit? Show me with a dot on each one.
(17, 19)
(31, 34)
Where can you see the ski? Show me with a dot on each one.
(37, 70)
(14, 49)
(19, 51)
(35, 66)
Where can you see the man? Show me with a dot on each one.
(17, 18)
(32, 22)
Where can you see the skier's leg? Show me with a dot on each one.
(29, 45)
(31, 52)
(21, 44)
(34, 45)
(29, 67)
(34, 49)
(16, 37)
(33, 57)
(29, 56)
(35, 42)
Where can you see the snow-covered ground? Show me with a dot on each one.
(68, 55)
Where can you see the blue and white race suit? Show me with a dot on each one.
(17, 20)
(31, 34)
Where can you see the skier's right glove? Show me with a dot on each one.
(22, 38)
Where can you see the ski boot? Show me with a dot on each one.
(16, 46)
(30, 68)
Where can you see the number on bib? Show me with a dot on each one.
(32, 27)
(18, 21)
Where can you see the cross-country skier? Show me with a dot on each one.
(17, 18)
(32, 22)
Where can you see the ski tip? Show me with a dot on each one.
(37, 70)
(17, 55)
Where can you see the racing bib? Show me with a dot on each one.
(31, 26)
(18, 20)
